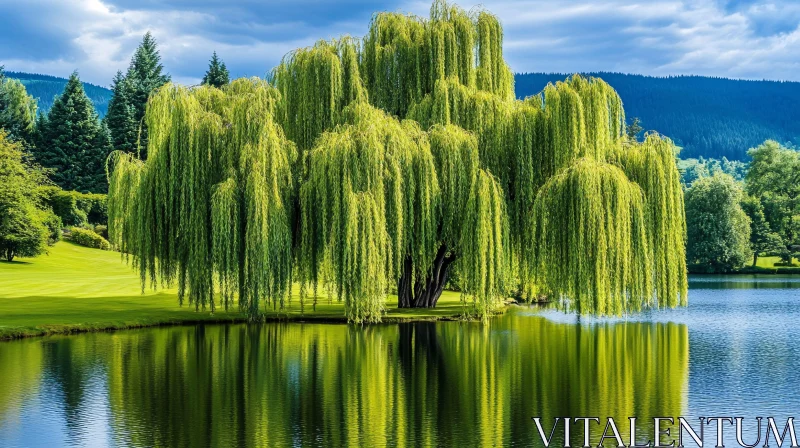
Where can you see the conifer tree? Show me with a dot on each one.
(119, 119)
(73, 142)
(145, 74)
(217, 74)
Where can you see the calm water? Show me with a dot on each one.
(733, 351)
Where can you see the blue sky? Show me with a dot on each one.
(753, 39)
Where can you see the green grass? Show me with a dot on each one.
(74, 289)
(769, 262)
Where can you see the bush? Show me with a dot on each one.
(101, 230)
(88, 238)
(22, 233)
(53, 224)
(76, 208)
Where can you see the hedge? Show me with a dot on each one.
(88, 238)
(75, 208)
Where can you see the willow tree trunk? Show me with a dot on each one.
(424, 292)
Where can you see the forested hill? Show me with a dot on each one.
(46, 87)
(709, 117)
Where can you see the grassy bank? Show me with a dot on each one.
(76, 289)
(766, 265)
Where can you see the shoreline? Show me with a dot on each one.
(17, 333)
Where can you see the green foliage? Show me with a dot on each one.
(316, 83)
(88, 238)
(214, 197)
(651, 164)
(120, 118)
(762, 239)
(692, 169)
(17, 110)
(718, 229)
(368, 203)
(217, 74)
(53, 224)
(73, 143)
(101, 230)
(413, 155)
(143, 77)
(75, 208)
(405, 56)
(774, 177)
(45, 88)
(591, 239)
(634, 129)
(23, 229)
(708, 117)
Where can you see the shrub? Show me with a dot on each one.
(94, 205)
(101, 230)
(22, 234)
(76, 208)
(88, 238)
(53, 224)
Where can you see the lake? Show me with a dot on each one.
(733, 352)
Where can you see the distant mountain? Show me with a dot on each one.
(46, 87)
(709, 117)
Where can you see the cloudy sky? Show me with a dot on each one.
(754, 39)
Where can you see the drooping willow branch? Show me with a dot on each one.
(591, 239)
(214, 197)
(383, 161)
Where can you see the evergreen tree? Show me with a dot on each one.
(73, 142)
(119, 120)
(217, 74)
(634, 129)
(17, 110)
(144, 75)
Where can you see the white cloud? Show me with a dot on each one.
(755, 40)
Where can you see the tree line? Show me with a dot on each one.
(53, 169)
(736, 212)
(46, 88)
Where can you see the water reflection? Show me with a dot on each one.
(316, 384)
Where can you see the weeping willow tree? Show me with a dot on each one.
(384, 202)
(214, 200)
(316, 84)
(404, 56)
(590, 222)
(383, 164)
(651, 164)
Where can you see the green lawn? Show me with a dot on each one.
(79, 289)
(768, 262)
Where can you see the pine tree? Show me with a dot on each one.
(144, 75)
(73, 142)
(119, 119)
(217, 74)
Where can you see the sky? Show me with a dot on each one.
(750, 39)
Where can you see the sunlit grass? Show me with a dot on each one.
(74, 288)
